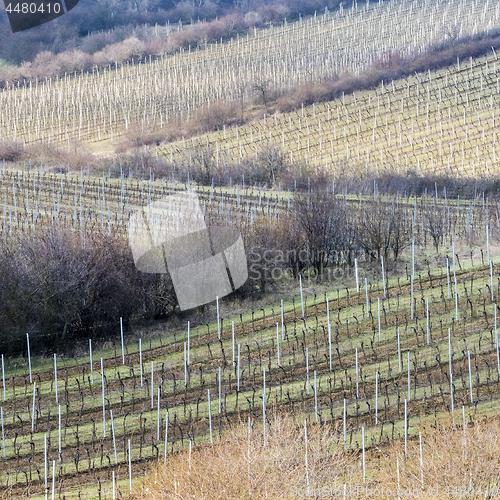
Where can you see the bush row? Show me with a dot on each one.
(62, 286)
(55, 49)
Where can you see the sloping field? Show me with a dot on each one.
(34, 200)
(430, 339)
(359, 370)
(94, 107)
(444, 122)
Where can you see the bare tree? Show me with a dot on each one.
(399, 236)
(433, 217)
(201, 162)
(262, 90)
(271, 162)
(322, 220)
(373, 229)
(381, 229)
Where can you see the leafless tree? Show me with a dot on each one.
(373, 229)
(322, 220)
(399, 236)
(381, 228)
(262, 90)
(433, 217)
(271, 162)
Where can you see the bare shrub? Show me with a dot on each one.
(213, 117)
(11, 150)
(301, 176)
(233, 23)
(74, 60)
(216, 30)
(45, 64)
(156, 47)
(94, 42)
(10, 75)
(76, 154)
(51, 155)
(131, 48)
(60, 285)
(136, 137)
(272, 163)
(185, 38)
(201, 163)
(139, 164)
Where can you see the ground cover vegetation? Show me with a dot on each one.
(423, 331)
(68, 270)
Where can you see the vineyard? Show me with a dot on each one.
(395, 328)
(34, 200)
(369, 355)
(443, 122)
(103, 105)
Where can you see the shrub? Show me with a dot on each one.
(62, 286)
(213, 117)
(45, 64)
(131, 48)
(11, 151)
(74, 60)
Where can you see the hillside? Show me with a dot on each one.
(95, 24)
(101, 106)
(346, 353)
(442, 122)
(355, 153)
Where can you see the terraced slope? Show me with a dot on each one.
(444, 122)
(332, 359)
(102, 105)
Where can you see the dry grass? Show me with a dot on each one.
(454, 463)
(237, 468)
